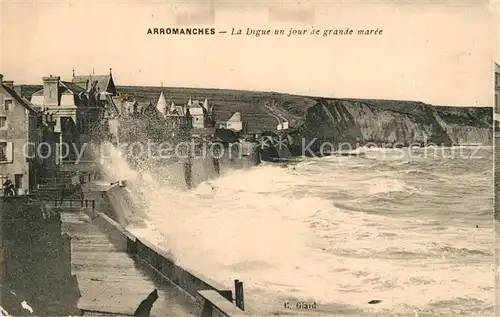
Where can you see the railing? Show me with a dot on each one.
(78, 165)
(27, 197)
(83, 203)
(55, 180)
(83, 177)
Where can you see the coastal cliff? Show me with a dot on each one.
(391, 123)
(384, 122)
(335, 120)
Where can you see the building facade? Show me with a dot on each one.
(21, 133)
(196, 116)
(81, 109)
(203, 118)
(234, 123)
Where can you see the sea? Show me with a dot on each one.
(380, 232)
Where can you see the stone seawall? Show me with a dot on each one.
(234, 158)
(186, 173)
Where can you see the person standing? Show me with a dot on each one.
(7, 188)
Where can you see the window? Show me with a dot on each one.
(6, 152)
(7, 104)
(3, 122)
(18, 181)
(3, 151)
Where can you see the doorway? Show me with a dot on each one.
(18, 181)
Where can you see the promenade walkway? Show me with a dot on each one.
(110, 281)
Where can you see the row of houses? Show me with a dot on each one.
(195, 114)
(80, 110)
(87, 104)
(27, 138)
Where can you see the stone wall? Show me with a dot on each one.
(36, 260)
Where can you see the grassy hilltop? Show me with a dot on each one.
(339, 119)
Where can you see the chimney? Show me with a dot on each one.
(19, 89)
(51, 90)
(9, 83)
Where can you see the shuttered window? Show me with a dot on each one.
(6, 152)
(3, 151)
(7, 104)
(3, 122)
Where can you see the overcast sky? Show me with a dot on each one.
(495, 10)
(436, 53)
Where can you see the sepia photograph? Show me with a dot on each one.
(495, 5)
(221, 158)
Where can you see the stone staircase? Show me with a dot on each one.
(65, 184)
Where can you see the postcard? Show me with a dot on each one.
(224, 158)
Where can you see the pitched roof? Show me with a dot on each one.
(181, 110)
(102, 81)
(25, 103)
(80, 78)
(81, 81)
(161, 105)
(72, 87)
(172, 107)
(38, 93)
(224, 117)
(64, 87)
(236, 117)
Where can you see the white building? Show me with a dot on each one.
(282, 125)
(234, 123)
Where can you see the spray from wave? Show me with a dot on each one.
(323, 230)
